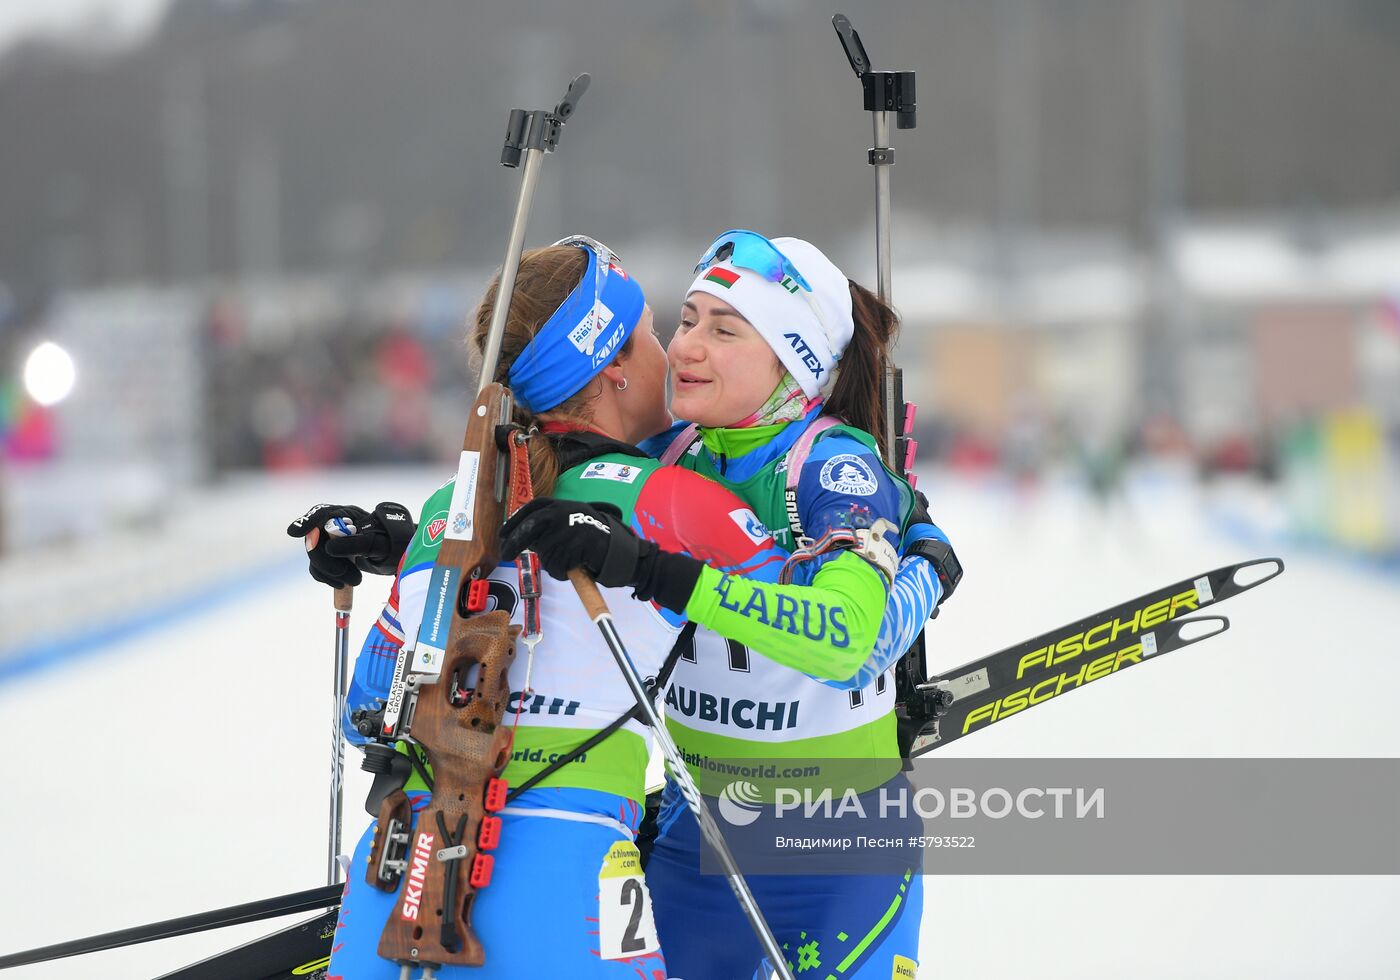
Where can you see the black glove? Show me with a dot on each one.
(352, 541)
(937, 553)
(919, 514)
(567, 534)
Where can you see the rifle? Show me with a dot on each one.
(917, 705)
(460, 728)
(450, 686)
(885, 92)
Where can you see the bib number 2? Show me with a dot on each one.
(625, 926)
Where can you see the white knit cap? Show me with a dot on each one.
(808, 347)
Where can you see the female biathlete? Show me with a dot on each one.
(760, 335)
(585, 366)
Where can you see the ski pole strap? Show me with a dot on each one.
(683, 641)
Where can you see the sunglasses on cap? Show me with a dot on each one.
(607, 258)
(750, 250)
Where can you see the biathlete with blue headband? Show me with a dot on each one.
(754, 370)
(586, 368)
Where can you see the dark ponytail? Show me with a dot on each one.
(856, 395)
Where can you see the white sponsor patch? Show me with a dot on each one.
(620, 472)
(750, 524)
(849, 474)
(585, 335)
(393, 707)
(461, 515)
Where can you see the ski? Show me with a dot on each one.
(968, 698)
(999, 685)
(303, 901)
(299, 952)
(974, 707)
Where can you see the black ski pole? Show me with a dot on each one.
(267, 908)
(597, 610)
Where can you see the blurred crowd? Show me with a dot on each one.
(311, 375)
(1128, 236)
(345, 391)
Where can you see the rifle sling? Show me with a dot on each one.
(662, 676)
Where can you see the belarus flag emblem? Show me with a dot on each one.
(723, 277)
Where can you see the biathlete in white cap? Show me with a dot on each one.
(761, 333)
(585, 366)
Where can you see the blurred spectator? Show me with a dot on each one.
(327, 386)
(406, 373)
(26, 428)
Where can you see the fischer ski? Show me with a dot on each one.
(977, 707)
(268, 908)
(298, 952)
(999, 685)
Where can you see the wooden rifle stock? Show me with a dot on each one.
(457, 717)
(457, 720)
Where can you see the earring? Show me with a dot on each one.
(623, 386)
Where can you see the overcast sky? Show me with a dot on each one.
(20, 17)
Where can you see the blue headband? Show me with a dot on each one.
(582, 336)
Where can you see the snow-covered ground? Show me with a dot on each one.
(184, 767)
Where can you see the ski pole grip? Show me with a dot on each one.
(344, 599)
(589, 595)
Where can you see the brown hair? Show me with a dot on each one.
(856, 395)
(544, 280)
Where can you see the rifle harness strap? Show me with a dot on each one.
(683, 640)
(794, 460)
